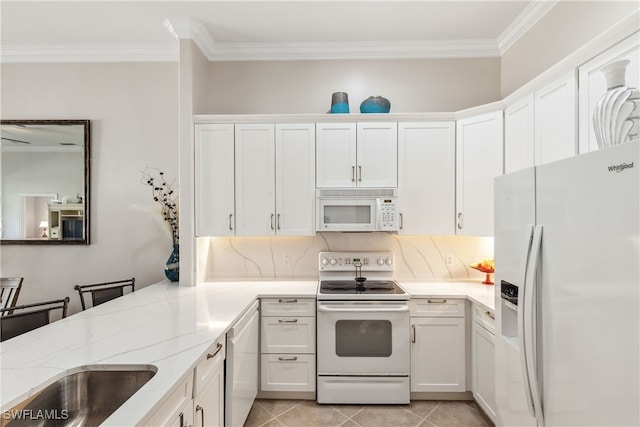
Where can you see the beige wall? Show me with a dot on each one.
(412, 86)
(567, 27)
(134, 122)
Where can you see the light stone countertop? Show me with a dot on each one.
(164, 325)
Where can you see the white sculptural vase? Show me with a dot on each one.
(616, 117)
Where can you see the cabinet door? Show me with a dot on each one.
(336, 155)
(426, 178)
(478, 161)
(209, 403)
(214, 185)
(295, 179)
(255, 179)
(483, 369)
(555, 120)
(377, 155)
(518, 135)
(438, 354)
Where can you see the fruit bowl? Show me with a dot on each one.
(486, 266)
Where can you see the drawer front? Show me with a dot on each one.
(437, 307)
(207, 367)
(288, 372)
(288, 306)
(485, 318)
(285, 334)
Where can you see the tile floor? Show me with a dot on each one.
(421, 413)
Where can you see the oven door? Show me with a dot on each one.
(347, 214)
(363, 338)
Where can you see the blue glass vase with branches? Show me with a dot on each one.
(164, 194)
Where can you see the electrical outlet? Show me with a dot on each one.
(450, 260)
(286, 259)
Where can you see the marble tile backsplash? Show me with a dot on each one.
(265, 258)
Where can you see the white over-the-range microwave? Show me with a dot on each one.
(356, 209)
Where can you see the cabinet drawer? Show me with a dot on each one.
(437, 307)
(484, 317)
(207, 367)
(288, 372)
(288, 306)
(286, 334)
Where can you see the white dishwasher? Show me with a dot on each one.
(241, 373)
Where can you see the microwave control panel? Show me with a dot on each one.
(388, 215)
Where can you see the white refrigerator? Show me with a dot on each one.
(568, 292)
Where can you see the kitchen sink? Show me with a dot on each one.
(85, 397)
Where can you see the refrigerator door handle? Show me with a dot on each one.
(529, 322)
(521, 327)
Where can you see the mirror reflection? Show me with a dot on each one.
(45, 181)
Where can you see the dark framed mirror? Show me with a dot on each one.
(45, 173)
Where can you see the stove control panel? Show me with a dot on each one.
(349, 261)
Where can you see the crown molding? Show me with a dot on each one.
(535, 11)
(189, 28)
(355, 50)
(89, 53)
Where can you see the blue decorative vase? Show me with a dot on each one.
(375, 104)
(172, 267)
(339, 103)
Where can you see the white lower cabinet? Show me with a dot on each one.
(483, 361)
(208, 392)
(287, 345)
(177, 409)
(438, 358)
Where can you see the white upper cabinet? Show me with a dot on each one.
(518, 135)
(295, 179)
(478, 161)
(255, 179)
(377, 155)
(556, 120)
(275, 187)
(336, 154)
(362, 155)
(426, 178)
(214, 174)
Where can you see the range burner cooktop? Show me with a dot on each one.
(352, 287)
(338, 271)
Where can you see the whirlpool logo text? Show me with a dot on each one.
(619, 168)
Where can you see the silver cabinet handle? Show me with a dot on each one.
(287, 301)
(413, 333)
(287, 359)
(218, 348)
(230, 221)
(287, 321)
(278, 221)
(360, 173)
(353, 174)
(459, 220)
(401, 221)
(201, 409)
(491, 315)
(436, 301)
(272, 227)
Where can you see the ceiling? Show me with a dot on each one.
(57, 31)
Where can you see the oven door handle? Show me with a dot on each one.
(373, 309)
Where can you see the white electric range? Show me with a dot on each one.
(362, 330)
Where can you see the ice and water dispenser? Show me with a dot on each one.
(509, 310)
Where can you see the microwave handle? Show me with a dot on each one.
(378, 223)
